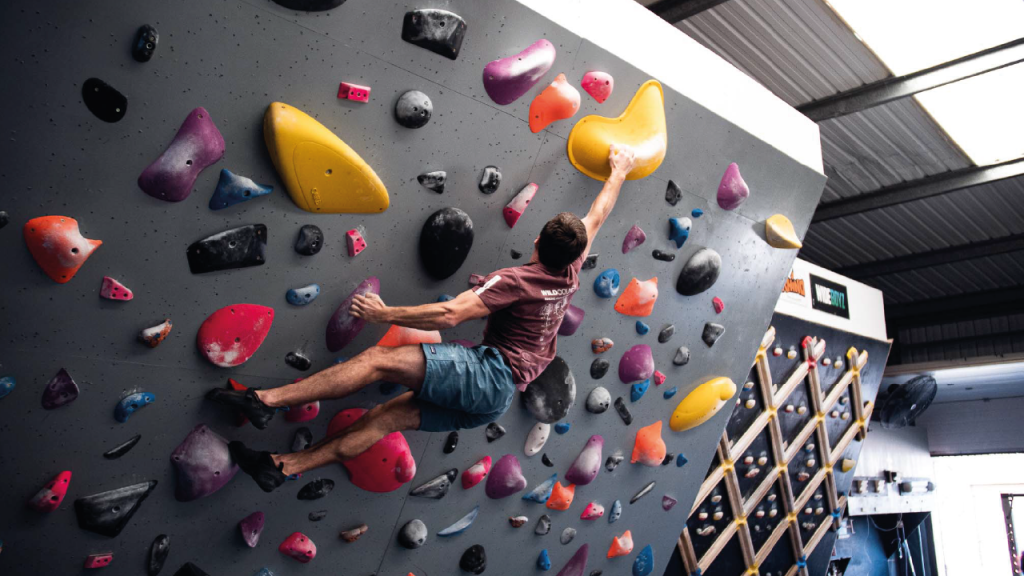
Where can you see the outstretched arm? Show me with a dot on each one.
(436, 316)
(621, 159)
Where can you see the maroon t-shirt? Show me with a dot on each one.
(527, 304)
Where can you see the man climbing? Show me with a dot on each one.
(450, 386)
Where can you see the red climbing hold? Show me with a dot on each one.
(385, 466)
(113, 290)
(101, 560)
(718, 304)
(638, 298)
(354, 92)
(402, 336)
(49, 498)
(231, 335)
(557, 102)
(58, 246)
(515, 208)
(659, 378)
(475, 473)
(354, 240)
(598, 84)
(299, 547)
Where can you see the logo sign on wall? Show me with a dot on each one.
(829, 297)
(794, 290)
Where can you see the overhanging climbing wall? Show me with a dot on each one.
(234, 58)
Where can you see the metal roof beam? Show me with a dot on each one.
(895, 88)
(918, 189)
(1012, 243)
(675, 11)
(959, 308)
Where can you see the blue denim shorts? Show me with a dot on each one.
(463, 387)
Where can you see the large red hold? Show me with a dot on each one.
(386, 466)
(299, 547)
(57, 246)
(231, 335)
(49, 498)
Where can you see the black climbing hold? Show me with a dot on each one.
(298, 360)
(712, 332)
(494, 431)
(623, 410)
(451, 443)
(668, 459)
(413, 109)
(158, 552)
(682, 356)
(445, 241)
(146, 39)
(673, 193)
(699, 273)
(663, 256)
(4, 218)
(310, 5)
(103, 100)
(439, 31)
(107, 513)
(546, 461)
(642, 492)
(590, 262)
(303, 439)
(516, 255)
(235, 248)
(474, 559)
(317, 515)
(316, 489)
(436, 488)
(490, 180)
(550, 395)
(598, 368)
(433, 181)
(310, 241)
(666, 333)
(613, 462)
(190, 569)
(413, 534)
(122, 449)
(595, 573)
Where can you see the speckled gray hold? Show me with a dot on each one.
(549, 397)
(598, 400)
(682, 357)
(623, 410)
(413, 534)
(567, 535)
(673, 193)
(490, 180)
(316, 489)
(433, 181)
(598, 368)
(413, 109)
(474, 560)
(543, 525)
(590, 263)
(613, 461)
(712, 332)
(317, 515)
(436, 488)
(494, 431)
(666, 333)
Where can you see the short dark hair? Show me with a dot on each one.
(561, 241)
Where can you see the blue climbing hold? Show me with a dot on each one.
(697, 213)
(303, 296)
(641, 328)
(636, 391)
(606, 284)
(445, 298)
(679, 230)
(616, 511)
(644, 563)
(562, 427)
(234, 189)
(681, 460)
(130, 403)
(264, 572)
(802, 562)
(341, 359)
(670, 392)
(544, 561)
(6, 385)
(541, 493)
(462, 524)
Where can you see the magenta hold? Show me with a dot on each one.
(343, 327)
(203, 464)
(577, 565)
(732, 191)
(571, 321)
(598, 84)
(111, 289)
(50, 496)
(637, 364)
(101, 560)
(586, 466)
(505, 479)
(303, 412)
(197, 145)
(299, 547)
(506, 79)
(251, 527)
(354, 92)
(515, 208)
(634, 237)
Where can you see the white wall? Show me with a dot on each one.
(867, 311)
(975, 427)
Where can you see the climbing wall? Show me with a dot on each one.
(233, 58)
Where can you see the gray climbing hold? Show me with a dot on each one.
(146, 39)
(436, 488)
(663, 256)
(549, 397)
(613, 461)
(190, 569)
(451, 442)
(712, 332)
(316, 489)
(598, 368)
(669, 457)
(682, 357)
(616, 512)
(413, 534)
(543, 525)
(490, 180)
(462, 524)
(474, 559)
(590, 262)
(567, 535)
(309, 6)
(123, 448)
(413, 109)
(666, 333)
(310, 240)
(599, 400)
(642, 492)
(158, 552)
(433, 181)
(699, 273)
(234, 189)
(251, 528)
(298, 360)
(439, 31)
(302, 296)
(303, 439)
(60, 391)
(494, 431)
(107, 513)
(623, 410)
(317, 515)
(673, 194)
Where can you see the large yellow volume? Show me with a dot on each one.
(702, 403)
(641, 126)
(322, 173)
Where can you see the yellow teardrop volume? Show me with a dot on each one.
(641, 126)
(322, 173)
(779, 232)
(702, 403)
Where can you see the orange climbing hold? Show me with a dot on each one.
(57, 246)
(638, 298)
(557, 102)
(621, 545)
(401, 336)
(561, 496)
(649, 449)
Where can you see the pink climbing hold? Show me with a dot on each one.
(303, 412)
(299, 547)
(505, 479)
(101, 560)
(49, 498)
(718, 304)
(385, 466)
(598, 84)
(571, 321)
(634, 237)
(403, 336)
(197, 144)
(732, 191)
(475, 473)
(355, 242)
(354, 92)
(251, 527)
(476, 279)
(113, 290)
(231, 335)
(659, 378)
(593, 511)
(515, 208)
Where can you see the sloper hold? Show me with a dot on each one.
(682, 357)
(642, 328)
(234, 189)
(593, 511)
(702, 403)
(635, 236)
(462, 524)
(103, 100)
(666, 333)
(52, 494)
(549, 397)
(235, 248)
(385, 466)
(433, 181)
(310, 5)
(57, 246)
(439, 31)
(99, 560)
(587, 464)
(542, 492)
(474, 474)
(302, 439)
(403, 336)
(598, 368)
(113, 290)
(598, 84)
(641, 126)
(560, 100)
(436, 488)
(699, 273)
(590, 262)
(61, 390)
(636, 364)
(571, 320)
(644, 563)
(107, 513)
(561, 496)
(131, 404)
(299, 547)
(316, 489)
(638, 298)
(413, 109)
(505, 479)
(158, 552)
(302, 296)
(621, 545)
(146, 40)
(712, 332)
(599, 400)
(474, 559)
(562, 427)
(353, 92)
(413, 534)
(231, 335)
(606, 284)
(517, 205)
(445, 241)
(508, 78)
(679, 230)
(7, 384)
(197, 145)
(310, 240)
(732, 190)
(779, 232)
(251, 527)
(122, 448)
(343, 327)
(649, 448)
(202, 464)
(490, 180)
(354, 241)
(321, 173)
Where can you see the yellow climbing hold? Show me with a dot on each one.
(322, 173)
(702, 403)
(641, 126)
(779, 232)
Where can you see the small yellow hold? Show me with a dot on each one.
(322, 173)
(847, 464)
(642, 127)
(702, 403)
(779, 232)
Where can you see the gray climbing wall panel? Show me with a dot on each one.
(234, 58)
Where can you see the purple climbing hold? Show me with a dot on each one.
(586, 466)
(577, 564)
(197, 145)
(60, 391)
(732, 191)
(667, 502)
(508, 78)
(505, 479)
(634, 237)
(202, 464)
(636, 364)
(251, 527)
(571, 321)
(343, 328)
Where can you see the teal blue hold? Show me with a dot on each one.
(606, 284)
(641, 328)
(302, 296)
(697, 213)
(445, 298)
(234, 189)
(644, 563)
(6, 385)
(541, 493)
(679, 230)
(562, 427)
(670, 392)
(341, 359)
(132, 403)
(544, 561)
(264, 572)
(681, 460)
(637, 391)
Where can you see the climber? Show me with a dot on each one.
(450, 386)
